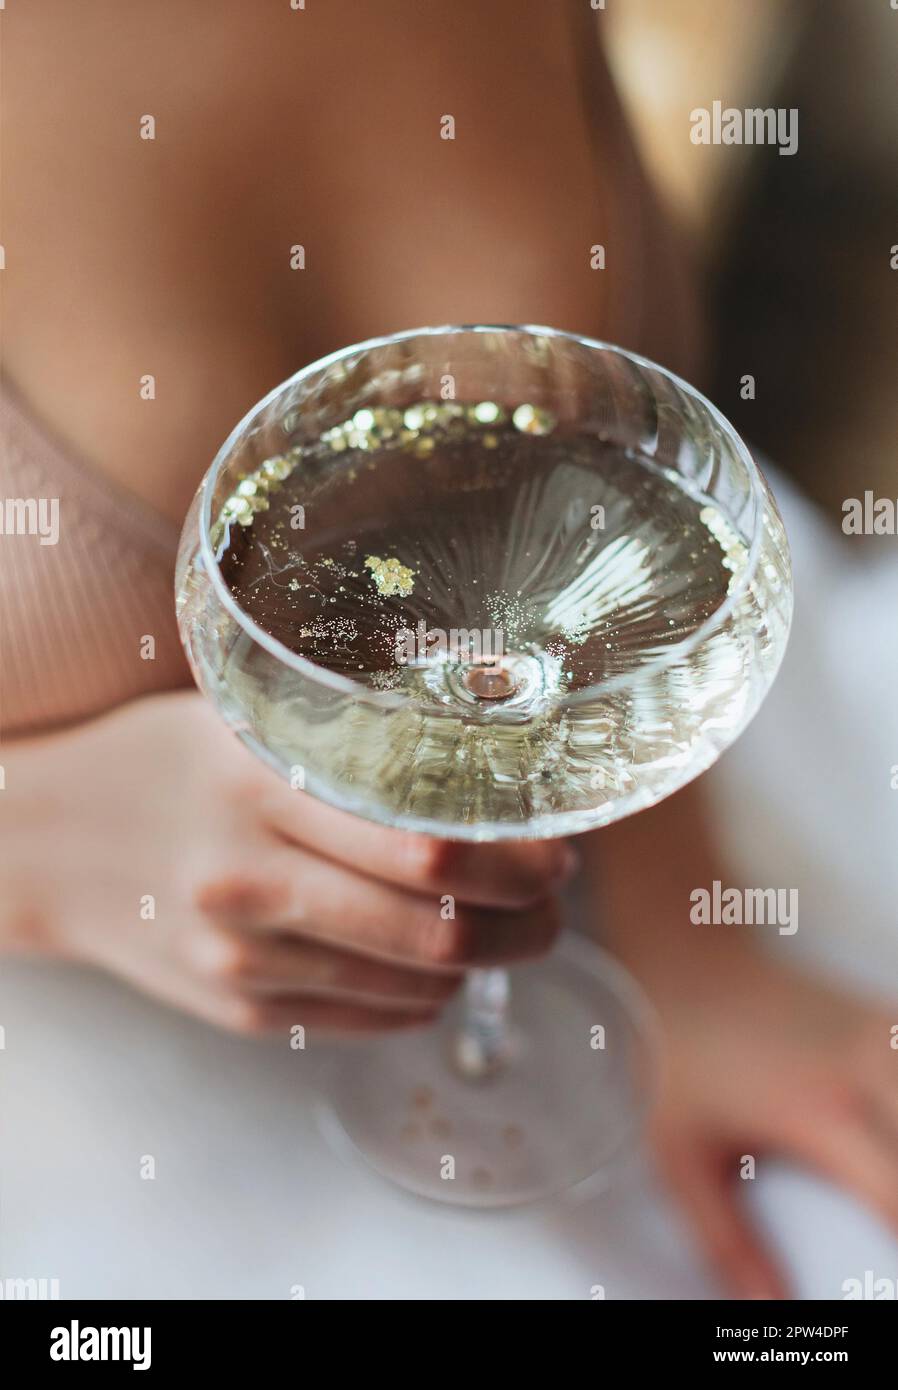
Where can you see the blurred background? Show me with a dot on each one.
(794, 252)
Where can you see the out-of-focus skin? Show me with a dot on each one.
(318, 128)
(124, 257)
(756, 1059)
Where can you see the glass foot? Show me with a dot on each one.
(569, 1098)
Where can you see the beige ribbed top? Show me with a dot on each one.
(74, 615)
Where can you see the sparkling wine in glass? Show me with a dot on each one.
(489, 583)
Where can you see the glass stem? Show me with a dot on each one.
(482, 1042)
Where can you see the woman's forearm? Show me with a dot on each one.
(641, 873)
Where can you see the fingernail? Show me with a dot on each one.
(761, 1292)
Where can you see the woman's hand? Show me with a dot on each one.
(758, 1059)
(151, 843)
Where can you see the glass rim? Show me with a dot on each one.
(347, 685)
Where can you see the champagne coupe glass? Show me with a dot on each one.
(488, 583)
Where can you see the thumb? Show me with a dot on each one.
(702, 1176)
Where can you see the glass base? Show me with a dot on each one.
(567, 1101)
